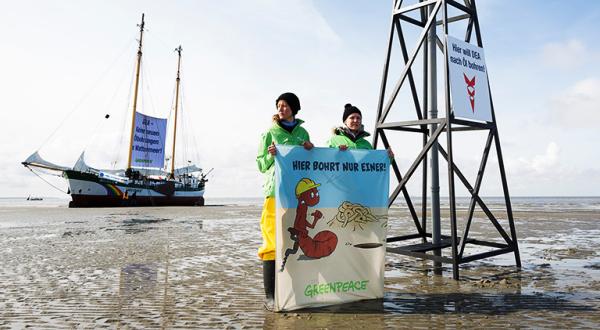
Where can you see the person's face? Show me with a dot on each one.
(353, 122)
(284, 111)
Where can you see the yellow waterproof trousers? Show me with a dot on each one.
(267, 229)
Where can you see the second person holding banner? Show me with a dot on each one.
(352, 135)
(286, 130)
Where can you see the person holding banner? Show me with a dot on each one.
(352, 135)
(286, 130)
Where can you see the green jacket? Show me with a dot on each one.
(340, 137)
(265, 161)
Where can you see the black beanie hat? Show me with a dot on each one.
(291, 99)
(348, 110)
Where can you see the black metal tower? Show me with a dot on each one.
(426, 15)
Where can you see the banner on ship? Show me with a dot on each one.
(331, 225)
(468, 81)
(149, 135)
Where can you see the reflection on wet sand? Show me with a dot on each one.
(197, 268)
(139, 286)
(137, 279)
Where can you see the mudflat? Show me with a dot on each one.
(197, 267)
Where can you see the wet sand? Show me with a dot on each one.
(197, 268)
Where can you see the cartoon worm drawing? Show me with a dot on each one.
(324, 242)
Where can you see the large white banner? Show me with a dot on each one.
(149, 135)
(331, 225)
(468, 81)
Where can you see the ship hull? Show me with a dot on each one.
(88, 190)
(109, 201)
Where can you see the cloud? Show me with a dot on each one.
(551, 173)
(565, 55)
(536, 170)
(577, 106)
(544, 163)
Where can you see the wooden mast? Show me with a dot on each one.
(135, 93)
(178, 50)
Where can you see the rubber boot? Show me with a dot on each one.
(269, 283)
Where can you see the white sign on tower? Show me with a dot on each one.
(468, 81)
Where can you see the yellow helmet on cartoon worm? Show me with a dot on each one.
(305, 185)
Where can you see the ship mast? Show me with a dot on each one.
(135, 93)
(178, 50)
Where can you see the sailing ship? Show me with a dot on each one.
(145, 181)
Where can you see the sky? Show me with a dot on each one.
(65, 64)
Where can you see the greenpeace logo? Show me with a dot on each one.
(313, 290)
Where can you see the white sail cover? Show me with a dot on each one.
(37, 161)
(81, 166)
(148, 148)
(178, 171)
(187, 170)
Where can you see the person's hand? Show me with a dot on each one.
(272, 150)
(343, 147)
(390, 153)
(307, 145)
